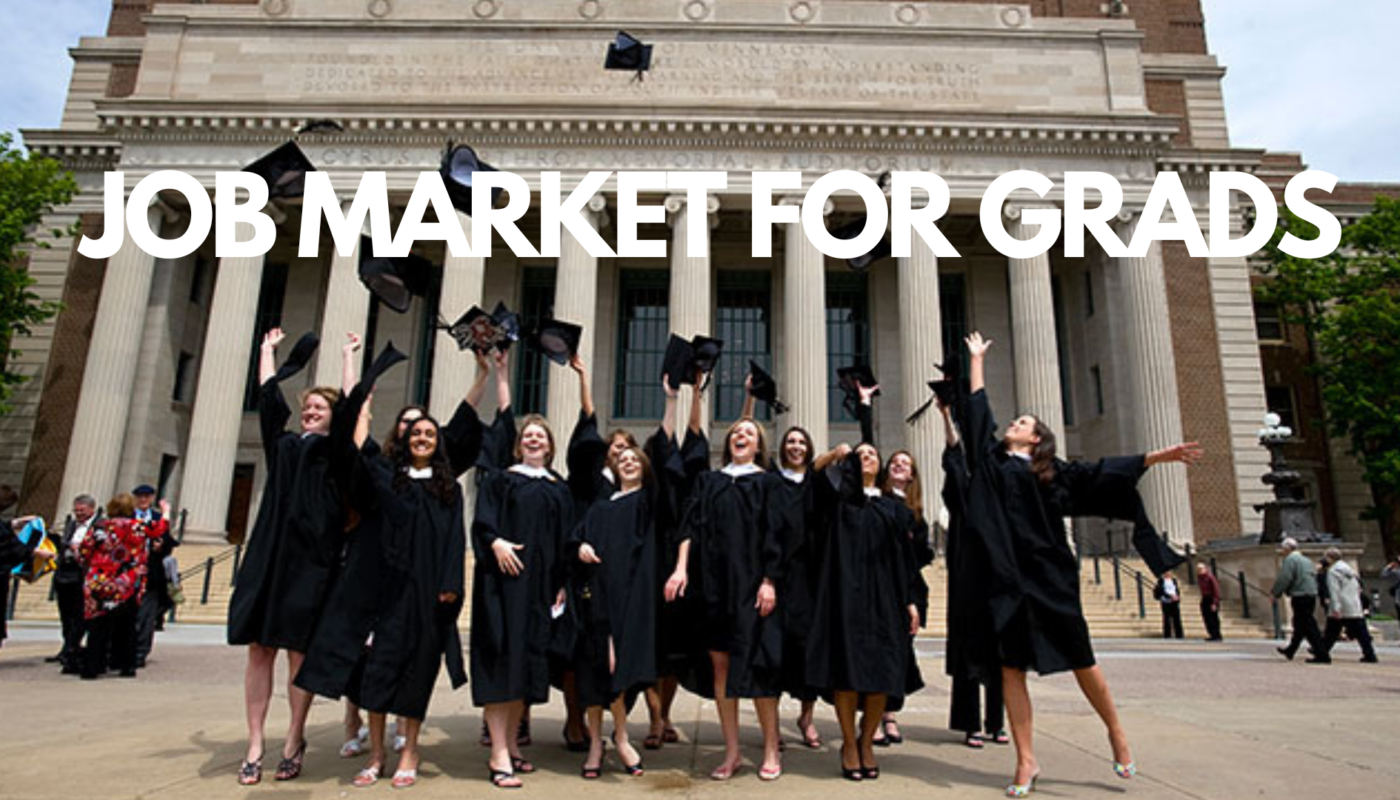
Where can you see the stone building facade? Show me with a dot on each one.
(145, 375)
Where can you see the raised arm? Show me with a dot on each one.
(749, 400)
(977, 350)
(502, 361)
(349, 375)
(1184, 453)
(830, 457)
(478, 387)
(950, 431)
(362, 424)
(668, 417)
(267, 355)
(584, 392)
(865, 412)
(697, 392)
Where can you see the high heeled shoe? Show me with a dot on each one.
(1023, 789)
(1125, 771)
(289, 769)
(250, 772)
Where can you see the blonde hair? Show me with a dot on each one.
(761, 455)
(328, 393)
(535, 419)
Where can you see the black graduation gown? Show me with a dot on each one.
(791, 510)
(971, 646)
(1035, 576)
(13, 552)
(733, 548)
(860, 634)
(292, 555)
(424, 550)
(510, 629)
(356, 599)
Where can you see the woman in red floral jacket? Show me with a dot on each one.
(115, 554)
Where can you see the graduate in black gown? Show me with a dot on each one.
(972, 661)
(731, 562)
(793, 516)
(291, 556)
(592, 479)
(901, 481)
(524, 514)
(616, 594)
(420, 591)
(1018, 496)
(355, 602)
(860, 649)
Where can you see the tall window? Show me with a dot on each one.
(271, 295)
(643, 329)
(952, 307)
(847, 332)
(531, 367)
(1057, 303)
(1280, 400)
(743, 320)
(1268, 322)
(427, 340)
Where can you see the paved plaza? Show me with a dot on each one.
(1207, 721)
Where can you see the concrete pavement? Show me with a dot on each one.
(1206, 721)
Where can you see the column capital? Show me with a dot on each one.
(1012, 210)
(796, 200)
(598, 204)
(675, 203)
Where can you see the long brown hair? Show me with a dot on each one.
(392, 441)
(626, 436)
(1043, 453)
(642, 458)
(760, 457)
(782, 447)
(914, 492)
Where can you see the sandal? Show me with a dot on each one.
(770, 775)
(368, 776)
(591, 773)
(852, 774)
(652, 742)
(485, 740)
(505, 780)
(250, 772)
(405, 778)
(522, 766)
(721, 773)
(812, 740)
(669, 735)
(289, 769)
(974, 740)
(355, 746)
(1001, 738)
(892, 734)
(572, 745)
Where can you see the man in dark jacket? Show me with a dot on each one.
(68, 580)
(157, 600)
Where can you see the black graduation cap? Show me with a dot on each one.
(300, 356)
(946, 390)
(862, 263)
(481, 332)
(459, 164)
(848, 378)
(628, 54)
(557, 339)
(284, 169)
(387, 358)
(394, 281)
(684, 358)
(764, 388)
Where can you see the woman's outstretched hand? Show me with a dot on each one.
(1184, 453)
(976, 345)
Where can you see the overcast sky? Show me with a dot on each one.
(1304, 75)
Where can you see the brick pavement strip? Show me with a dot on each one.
(1206, 722)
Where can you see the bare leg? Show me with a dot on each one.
(299, 700)
(377, 724)
(625, 751)
(1018, 711)
(518, 711)
(257, 694)
(805, 727)
(594, 717)
(573, 719)
(498, 726)
(871, 720)
(728, 716)
(353, 721)
(1095, 689)
(767, 708)
(850, 741)
(409, 729)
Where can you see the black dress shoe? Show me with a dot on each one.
(1370, 660)
(1316, 660)
(1285, 652)
(54, 659)
(127, 673)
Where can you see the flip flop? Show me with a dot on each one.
(368, 776)
(405, 778)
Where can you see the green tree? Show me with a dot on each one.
(29, 188)
(1349, 304)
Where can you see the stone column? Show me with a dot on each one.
(804, 369)
(463, 280)
(691, 307)
(99, 424)
(218, 403)
(1155, 407)
(347, 310)
(921, 347)
(1037, 358)
(576, 301)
